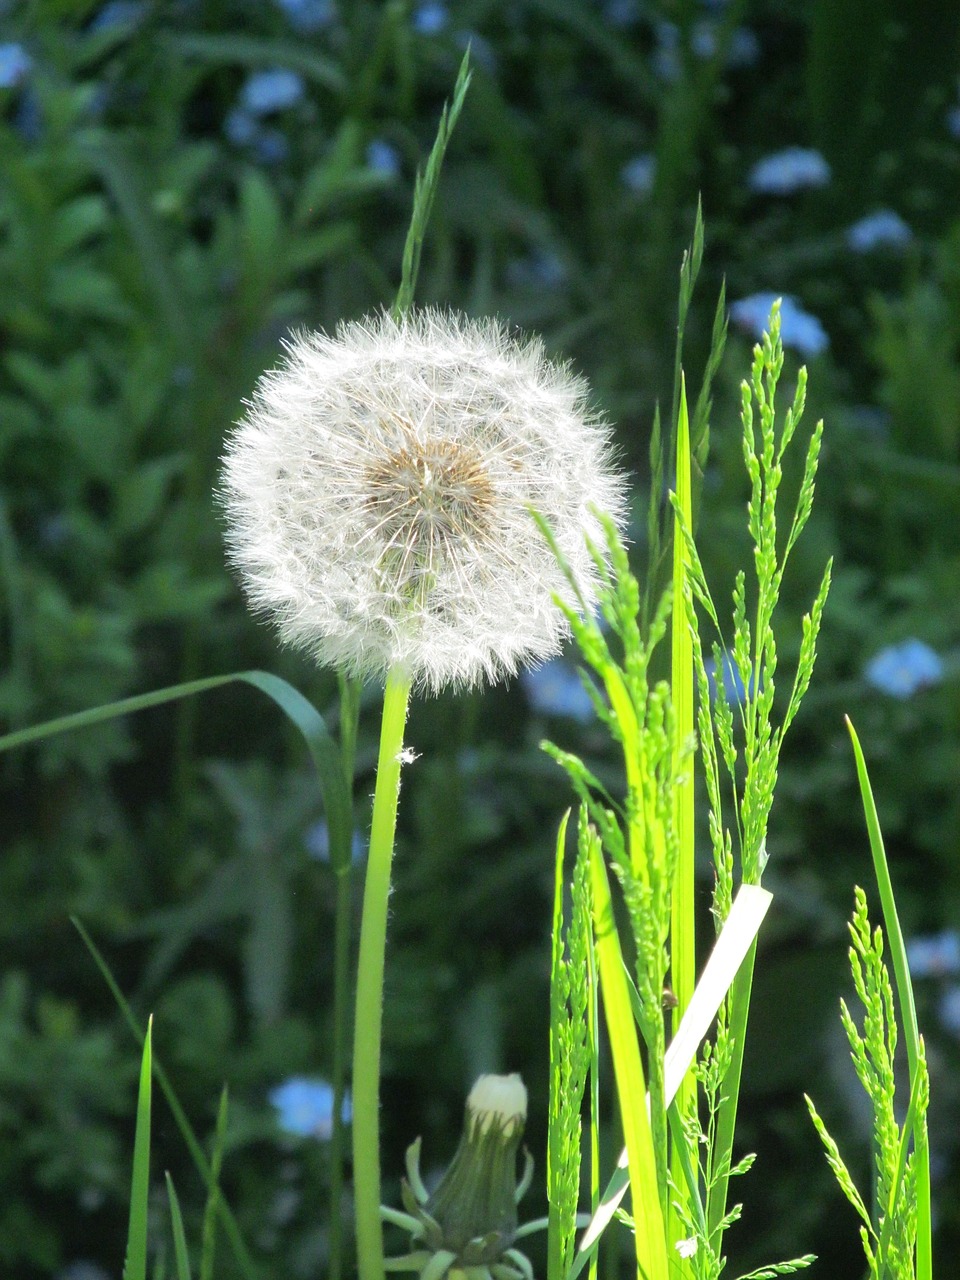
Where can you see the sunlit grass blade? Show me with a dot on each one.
(135, 1266)
(683, 956)
(557, 1012)
(904, 989)
(228, 1221)
(737, 939)
(649, 1236)
(179, 1236)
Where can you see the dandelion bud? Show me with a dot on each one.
(379, 488)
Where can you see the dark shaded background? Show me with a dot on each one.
(166, 216)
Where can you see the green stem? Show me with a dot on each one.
(730, 1092)
(367, 1023)
(349, 716)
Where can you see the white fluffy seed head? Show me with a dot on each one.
(378, 494)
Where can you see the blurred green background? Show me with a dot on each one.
(183, 182)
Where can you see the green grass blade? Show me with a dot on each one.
(904, 988)
(736, 941)
(649, 1237)
(294, 705)
(250, 51)
(683, 956)
(179, 1236)
(425, 190)
(730, 1094)
(135, 1266)
(228, 1221)
(212, 1207)
(557, 1013)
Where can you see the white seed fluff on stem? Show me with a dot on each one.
(378, 494)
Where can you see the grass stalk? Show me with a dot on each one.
(370, 965)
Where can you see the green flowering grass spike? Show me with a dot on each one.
(889, 1228)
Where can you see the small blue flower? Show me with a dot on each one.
(734, 690)
(901, 670)
(948, 1008)
(270, 146)
(554, 689)
(666, 56)
(118, 13)
(798, 329)
(15, 65)
(638, 174)
(787, 171)
(540, 269)
(883, 228)
(934, 955)
(430, 19)
(953, 121)
(383, 157)
(317, 840)
(269, 91)
(304, 1107)
(744, 48)
(240, 127)
(82, 1271)
(621, 13)
(307, 16)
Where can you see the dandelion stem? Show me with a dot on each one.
(367, 1024)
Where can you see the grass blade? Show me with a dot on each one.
(683, 955)
(904, 988)
(736, 941)
(228, 1221)
(209, 1236)
(179, 1236)
(135, 1266)
(649, 1237)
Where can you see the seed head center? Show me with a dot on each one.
(427, 496)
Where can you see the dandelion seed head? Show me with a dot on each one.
(379, 490)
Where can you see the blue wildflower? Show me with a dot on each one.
(901, 670)
(272, 90)
(82, 1270)
(240, 127)
(787, 171)
(621, 13)
(934, 955)
(948, 1008)
(270, 146)
(540, 269)
(798, 329)
(430, 19)
(638, 174)
(383, 157)
(304, 1107)
(317, 840)
(666, 56)
(15, 65)
(554, 689)
(744, 48)
(734, 690)
(118, 13)
(307, 16)
(883, 228)
(953, 121)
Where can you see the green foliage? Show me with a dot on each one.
(151, 257)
